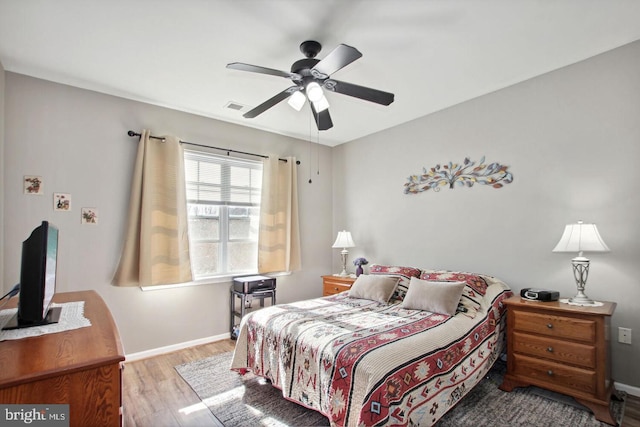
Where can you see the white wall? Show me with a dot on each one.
(571, 139)
(76, 140)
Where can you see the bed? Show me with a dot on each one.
(362, 360)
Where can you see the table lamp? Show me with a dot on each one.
(344, 241)
(581, 238)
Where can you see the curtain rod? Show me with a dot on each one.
(228, 150)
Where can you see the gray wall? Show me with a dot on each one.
(76, 140)
(571, 139)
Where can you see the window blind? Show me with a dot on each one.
(221, 180)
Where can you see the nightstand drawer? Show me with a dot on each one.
(551, 373)
(332, 285)
(555, 326)
(332, 288)
(559, 350)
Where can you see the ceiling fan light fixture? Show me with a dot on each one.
(296, 100)
(322, 104)
(314, 92)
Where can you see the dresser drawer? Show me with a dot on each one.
(559, 350)
(555, 326)
(555, 374)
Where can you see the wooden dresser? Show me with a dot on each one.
(563, 348)
(80, 367)
(332, 285)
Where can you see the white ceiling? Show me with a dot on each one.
(431, 54)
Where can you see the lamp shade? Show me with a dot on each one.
(344, 240)
(580, 238)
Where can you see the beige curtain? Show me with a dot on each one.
(279, 235)
(156, 248)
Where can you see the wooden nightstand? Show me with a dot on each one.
(563, 348)
(332, 285)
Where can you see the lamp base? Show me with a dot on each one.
(344, 254)
(595, 303)
(581, 300)
(580, 273)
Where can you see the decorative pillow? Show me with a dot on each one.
(376, 288)
(475, 281)
(403, 273)
(436, 297)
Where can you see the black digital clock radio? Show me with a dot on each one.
(539, 294)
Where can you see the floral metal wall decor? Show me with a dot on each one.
(461, 175)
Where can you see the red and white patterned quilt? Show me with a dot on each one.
(363, 363)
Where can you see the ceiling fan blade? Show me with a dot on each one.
(366, 93)
(323, 119)
(338, 58)
(270, 102)
(262, 70)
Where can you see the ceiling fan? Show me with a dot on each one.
(310, 75)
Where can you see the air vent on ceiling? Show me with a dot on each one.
(235, 106)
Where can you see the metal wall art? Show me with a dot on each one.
(461, 175)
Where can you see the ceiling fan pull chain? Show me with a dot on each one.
(310, 145)
(318, 151)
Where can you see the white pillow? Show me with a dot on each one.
(376, 288)
(436, 297)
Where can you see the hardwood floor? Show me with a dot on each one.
(632, 412)
(153, 393)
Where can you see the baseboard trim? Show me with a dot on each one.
(174, 347)
(629, 389)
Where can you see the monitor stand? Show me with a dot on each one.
(53, 316)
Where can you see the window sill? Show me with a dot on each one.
(209, 281)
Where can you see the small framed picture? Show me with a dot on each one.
(32, 184)
(89, 215)
(62, 202)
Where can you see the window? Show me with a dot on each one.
(223, 204)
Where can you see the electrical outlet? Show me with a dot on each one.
(624, 335)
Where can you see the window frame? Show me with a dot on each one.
(226, 193)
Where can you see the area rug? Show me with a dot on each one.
(251, 401)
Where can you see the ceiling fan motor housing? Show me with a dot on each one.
(304, 66)
(310, 48)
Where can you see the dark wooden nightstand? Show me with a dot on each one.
(563, 348)
(332, 285)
